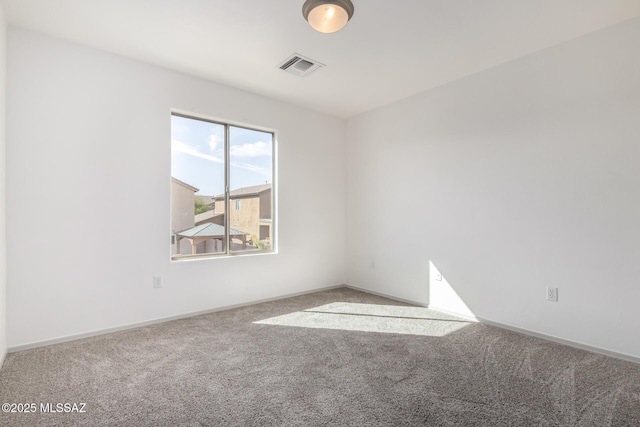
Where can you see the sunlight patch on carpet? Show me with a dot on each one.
(387, 319)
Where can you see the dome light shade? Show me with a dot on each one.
(327, 16)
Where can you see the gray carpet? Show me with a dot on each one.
(290, 363)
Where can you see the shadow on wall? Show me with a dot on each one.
(443, 297)
(390, 319)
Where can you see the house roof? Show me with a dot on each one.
(253, 190)
(208, 230)
(184, 184)
(206, 216)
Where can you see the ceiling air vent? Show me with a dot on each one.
(299, 65)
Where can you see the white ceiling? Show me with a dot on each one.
(389, 50)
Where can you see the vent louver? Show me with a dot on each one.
(299, 65)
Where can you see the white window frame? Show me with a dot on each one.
(227, 217)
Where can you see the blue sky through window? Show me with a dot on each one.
(197, 155)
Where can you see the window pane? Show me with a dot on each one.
(250, 179)
(197, 186)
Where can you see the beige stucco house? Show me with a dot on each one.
(195, 234)
(182, 218)
(250, 220)
(250, 212)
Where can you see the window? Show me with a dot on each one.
(215, 166)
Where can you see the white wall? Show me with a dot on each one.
(88, 151)
(516, 178)
(3, 204)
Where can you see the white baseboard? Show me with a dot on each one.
(575, 344)
(581, 346)
(74, 337)
(454, 313)
(617, 355)
(380, 294)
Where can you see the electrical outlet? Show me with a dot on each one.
(438, 276)
(552, 294)
(157, 282)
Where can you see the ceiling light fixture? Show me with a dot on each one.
(327, 16)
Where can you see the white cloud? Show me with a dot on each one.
(256, 149)
(181, 147)
(252, 168)
(187, 149)
(214, 141)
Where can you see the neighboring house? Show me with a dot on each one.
(187, 236)
(209, 238)
(204, 233)
(212, 232)
(250, 211)
(182, 205)
(210, 216)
